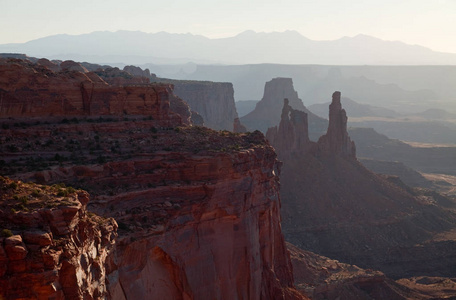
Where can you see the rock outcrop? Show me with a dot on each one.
(267, 111)
(137, 71)
(70, 65)
(291, 136)
(29, 90)
(336, 139)
(118, 77)
(50, 246)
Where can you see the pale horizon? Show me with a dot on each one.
(428, 23)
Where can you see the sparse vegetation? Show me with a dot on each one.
(6, 233)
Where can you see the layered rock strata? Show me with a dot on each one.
(198, 210)
(51, 247)
(30, 90)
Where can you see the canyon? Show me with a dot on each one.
(334, 206)
(198, 211)
(178, 211)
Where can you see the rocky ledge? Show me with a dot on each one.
(50, 246)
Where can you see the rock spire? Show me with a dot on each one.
(292, 134)
(336, 139)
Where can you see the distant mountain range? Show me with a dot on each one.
(249, 47)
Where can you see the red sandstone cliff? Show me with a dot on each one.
(198, 210)
(50, 247)
(30, 90)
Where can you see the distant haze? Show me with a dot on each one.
(249, 47)
(429, 23)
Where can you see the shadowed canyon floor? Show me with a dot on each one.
(334, 206)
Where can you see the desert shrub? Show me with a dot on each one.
(6, 233)
(24, 200)
(62, 193)
(36, 193)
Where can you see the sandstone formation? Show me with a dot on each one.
(336, 140)
(137, 71)
(49, 64)
(291, 136)
(332, 205)
(115, 76)
(214, 101)
(267, 111)
(50, 246)
(238, 127)
(29, 90)
(198, 210)
(70, 65)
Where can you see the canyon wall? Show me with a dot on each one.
(197, 210)
(30, 90)
(214, 101)
(51, 247)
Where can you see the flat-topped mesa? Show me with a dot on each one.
(214, 101)
(292, 135)
(267, 111)
(32, 90)
(336, 139)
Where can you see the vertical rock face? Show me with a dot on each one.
(29, 90)
(214, 101)
(267, 111)
(220, 240)
(51, 247)
(336, 139)
(291, 136)
(198, 210)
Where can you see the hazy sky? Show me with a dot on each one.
(429, 23)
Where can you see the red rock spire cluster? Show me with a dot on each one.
(336, 139)
(292, 134)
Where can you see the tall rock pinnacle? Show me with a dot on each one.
(336, 139)
(292, 134)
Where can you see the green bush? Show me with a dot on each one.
(6, 233)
